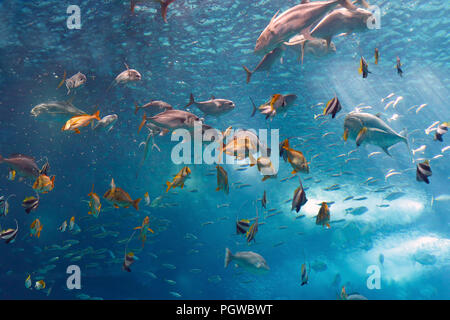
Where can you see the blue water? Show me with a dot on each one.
(201, 50)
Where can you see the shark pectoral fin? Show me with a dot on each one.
(385, 149)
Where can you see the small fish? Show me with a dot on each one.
(363, 67)
(128, 260)
(421, 107)
(4, 205)
(222, 180)
(299, 199)
(431, 127)
(39, 285)
(75, 81)
(397, 101)
(264, 200)
(28, 282)
(391, 174)
(11, 175)
(94, 204)
(333, 107)
(399, 67)
(377, 55)
(423, 172)
(440, 131)
(304, 274)
(373, 154)
(44, 183)
(323, 217)
(242, 226)
(252, 231)
(63, 226)
(35, 228)
(388, 96)
(179, 179)
(120, 198)
(9, 235)
(144, 228)
(420, 149)
(147, 199)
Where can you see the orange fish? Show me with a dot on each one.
(94, 203)
(80, 121)
(44, 183)
(36, 228)
(120, 198)
(179, 179)
(297, 160)
(323, 218)
(144, 230)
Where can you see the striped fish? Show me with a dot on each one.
(333, 106)
(10, 234)
(363, 67)
(440, 131)
(423, 172)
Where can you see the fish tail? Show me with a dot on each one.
(228, 256)
(191, 101)
(169, 185)
(164, 6)
(96, 115)
(62, 81)
(136, 108)
(144, 120)
(249, 73)
(132, 5)
(136, 203)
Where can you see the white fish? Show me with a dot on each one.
(394, 117)
(445, 149)
(373, 153)
(420, 149)
(414, 106)
(421, 107)
(391, 174)
(431, 128)
(388, 96)
(442, 197)
(400, 98)
(388, 105)
(437, 157)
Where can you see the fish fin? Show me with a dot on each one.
(228, 257)
(304, 1)
(191, 101)
(345, 136)
(273, 18)
(360, 137)
(387, 151)
(77, 131)
(254, 107)
(164, 6)
(136, 108)
(137, 228)
(96, 115)
(265, 178)
(249, 73)
(218, 188)
(136, 203)
(294, 171)
(169, 185)
(63, 79)
(150, 230)
(116, 206)
(144, 120)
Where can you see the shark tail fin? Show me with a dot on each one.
(249, 73)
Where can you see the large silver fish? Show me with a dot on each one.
(25, 166)
(56, 111)
(247, 260)
(341, 21)
(174, 119)
(294, 21)
(370, 129)
(213, 107)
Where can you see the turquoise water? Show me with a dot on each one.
(201, 50)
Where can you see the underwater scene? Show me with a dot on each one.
(205, 149)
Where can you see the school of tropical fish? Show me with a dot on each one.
(350, 174)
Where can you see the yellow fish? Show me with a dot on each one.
(94, 203)
(80, 121)
(44, 183)
(36, 228)
(179, 179)
(297, 160)
(144, 229)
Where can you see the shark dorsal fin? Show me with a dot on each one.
(273, 18)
